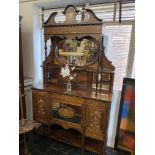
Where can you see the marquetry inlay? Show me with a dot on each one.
(95, 119)
(41, 106)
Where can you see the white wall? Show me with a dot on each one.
(31, 39)
(37, 44)
(27, 38)
(113, 118)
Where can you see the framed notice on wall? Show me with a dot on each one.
(125, 134)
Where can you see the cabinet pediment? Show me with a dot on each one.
(74, 17)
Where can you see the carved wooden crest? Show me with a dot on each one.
(71, 14)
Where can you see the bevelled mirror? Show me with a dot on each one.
(80, 52)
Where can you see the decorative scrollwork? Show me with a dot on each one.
(70, 14)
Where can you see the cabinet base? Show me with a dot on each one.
(72, 137)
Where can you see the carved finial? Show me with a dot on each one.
(70, 13)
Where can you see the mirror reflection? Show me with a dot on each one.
(78, 52)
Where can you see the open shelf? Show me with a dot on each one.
(94, 145)
(69, 136)
(72, 137)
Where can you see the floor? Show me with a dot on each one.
(39, 145)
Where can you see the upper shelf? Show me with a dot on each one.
(77, 41)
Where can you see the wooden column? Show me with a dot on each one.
(21, 74)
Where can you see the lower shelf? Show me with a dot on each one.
(72, 137)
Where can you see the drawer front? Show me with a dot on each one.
(98, 104)
(40, 93)
(68, 99)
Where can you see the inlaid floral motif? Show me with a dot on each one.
(95, 119)
(41, 106)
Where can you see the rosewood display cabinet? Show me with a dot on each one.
(78, 117)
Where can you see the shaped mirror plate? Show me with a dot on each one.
(78, 52)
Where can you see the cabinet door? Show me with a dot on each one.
(96, 119)
(40, 106)
(67, 111)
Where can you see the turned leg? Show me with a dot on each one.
(104, 149)
(83, 147)
(49, 131)
(132, 152)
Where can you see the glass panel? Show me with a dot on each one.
(66, 112)
(77, 52)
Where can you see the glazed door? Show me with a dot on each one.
(96, 119)
(67, 111)
(40, 106)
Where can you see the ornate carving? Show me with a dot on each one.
(71, 13)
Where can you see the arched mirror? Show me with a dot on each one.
(80, 52)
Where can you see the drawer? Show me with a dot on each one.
(101, 105)
(40, 93)
(68, 99)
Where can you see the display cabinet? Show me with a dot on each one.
(80, 116)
